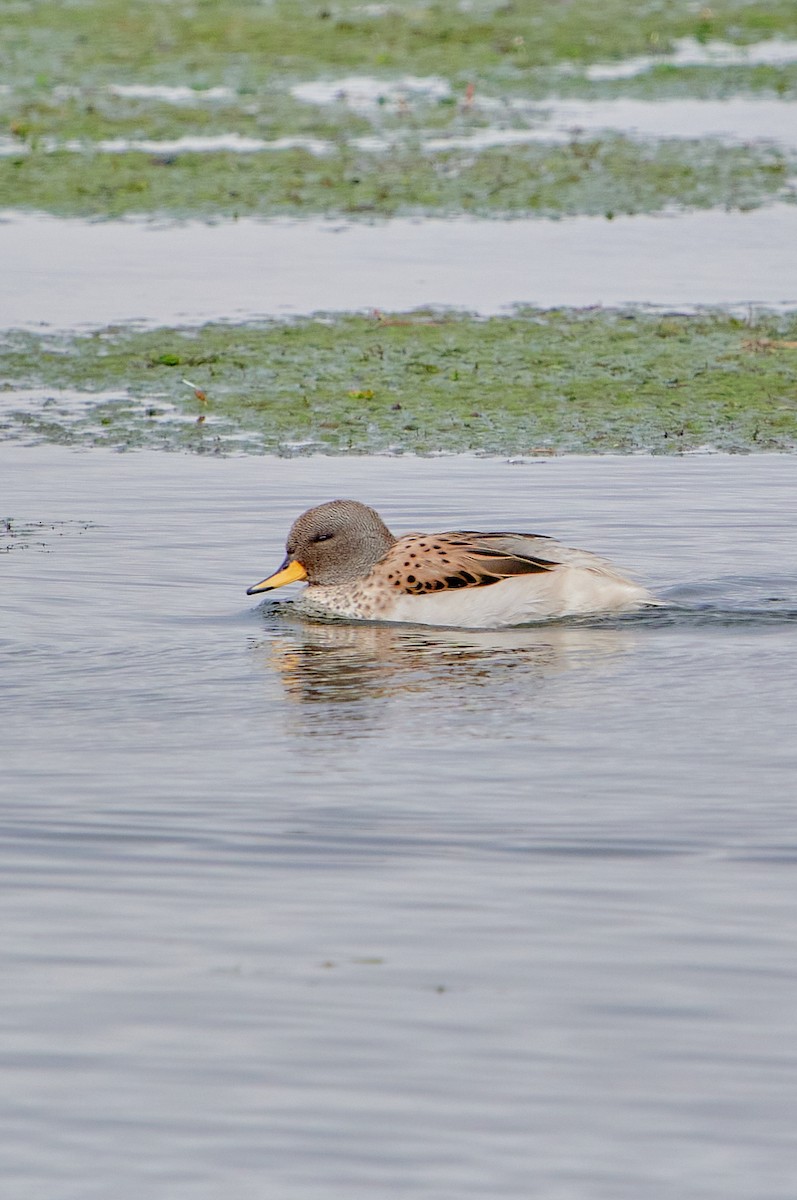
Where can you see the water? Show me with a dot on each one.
(326, 911)
(70, 273)
(737, 119)
(689, 52)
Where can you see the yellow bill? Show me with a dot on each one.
(290, 573)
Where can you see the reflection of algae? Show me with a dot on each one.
(338, 663)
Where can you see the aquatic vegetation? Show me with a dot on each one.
(596, 175)
(439, 85)
(242, 44)
(246, 108)
(555, 381)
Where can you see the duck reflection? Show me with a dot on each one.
(340, 663)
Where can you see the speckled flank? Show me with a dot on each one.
(568, 591)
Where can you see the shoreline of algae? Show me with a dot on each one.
(245, 43)
(59, 62)
(559, 381)
(601, 175)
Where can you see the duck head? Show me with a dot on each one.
(330, 544)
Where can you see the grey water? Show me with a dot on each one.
(325, 911)
(68, 274)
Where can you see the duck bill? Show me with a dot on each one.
(289, 572)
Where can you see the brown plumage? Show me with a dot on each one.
(418, 563)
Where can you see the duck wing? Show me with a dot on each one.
(419, 563)
(540, 548)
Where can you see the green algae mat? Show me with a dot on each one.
(246, 41)
(84, 136)
(539, 382)
(608, 176)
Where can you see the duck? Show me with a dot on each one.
(356, 569)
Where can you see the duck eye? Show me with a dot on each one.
(322, 537)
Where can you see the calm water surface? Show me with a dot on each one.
(72, 273)
(316, 912)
